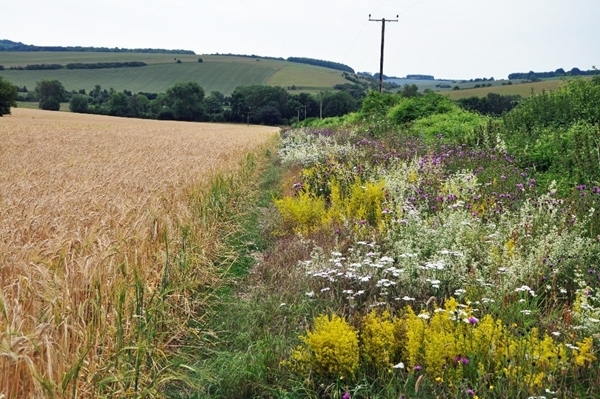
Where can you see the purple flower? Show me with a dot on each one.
(346, 395)
(470, 392)
(417, 368)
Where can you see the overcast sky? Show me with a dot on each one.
(444, 38)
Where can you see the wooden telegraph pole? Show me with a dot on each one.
(383, 21)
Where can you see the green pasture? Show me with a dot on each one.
(215, 73)
(522, 89)
(305, 77)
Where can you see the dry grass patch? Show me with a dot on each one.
(90, 207)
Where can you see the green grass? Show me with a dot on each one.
(216, 73)
(35, 105)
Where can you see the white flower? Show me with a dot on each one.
(282, 304)
(526, 311)
(399, 365)
(325, 289)
(556, 333)
(522, 288)
(407, 298)
(424, 316)
(310, 294)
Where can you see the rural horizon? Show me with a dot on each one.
(389, 75)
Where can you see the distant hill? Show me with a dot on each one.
(301, 60)
(9, 45)
(215, 73)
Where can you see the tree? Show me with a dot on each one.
(249, 99)
(79, 103)
(339, 104)
(8, 96)
(118, 104)
(139, 104)
(409, 90)
(213, 104)
(186, 101)
(50, 94)
(267, 115)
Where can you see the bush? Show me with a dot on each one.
(413, 108)
(50, 94)
(454, 127)
(8, 96)
(79, 103)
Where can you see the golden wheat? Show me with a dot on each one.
(86, 203)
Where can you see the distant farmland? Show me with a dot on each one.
(215, 73)
(522, 89)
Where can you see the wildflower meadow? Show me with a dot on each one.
(411, 254)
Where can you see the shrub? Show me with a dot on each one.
(79, 103)
(8, 96)
(413, 108)
(455, 127)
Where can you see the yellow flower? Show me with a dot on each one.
(378, 339)
(584, 354)
(330, 349)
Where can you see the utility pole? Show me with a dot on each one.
(383, 21)
(321, 106)
(299, 108)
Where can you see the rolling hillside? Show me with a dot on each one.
(215, 73)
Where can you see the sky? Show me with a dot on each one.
(453, 39)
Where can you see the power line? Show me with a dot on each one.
(414, 5)
(354, 42)
(383, 21)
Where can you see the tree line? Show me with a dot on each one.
(322, 63)
(300, 60)
(8, 45)
(268, 105)
(78, 65)
(551, 74)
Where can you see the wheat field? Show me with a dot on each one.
(90, 207)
